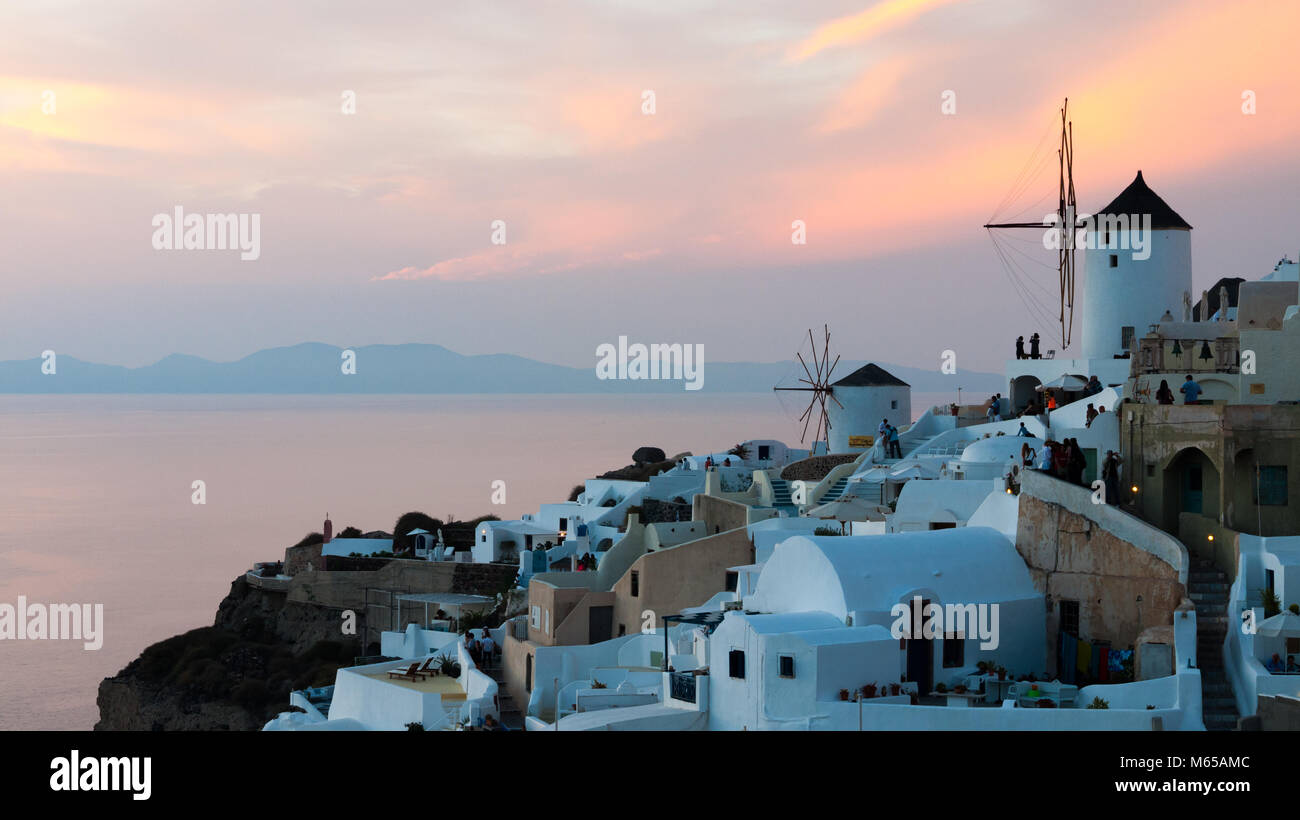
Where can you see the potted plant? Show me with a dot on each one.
(844, 694)
(941, 688)
(1099, 703)
(448, 665)
(869, 691)
(1046, 703)
(595, 684)
(960, 689)
(1002, 673)
(895, 688)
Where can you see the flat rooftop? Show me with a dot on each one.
(440, 684)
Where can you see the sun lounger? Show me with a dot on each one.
(412, 672)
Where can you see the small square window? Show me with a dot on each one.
(736, 663)
(893, 405)
(787, 666)
(1114, 260)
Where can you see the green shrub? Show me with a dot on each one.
(1272, 604)
(1098, 703)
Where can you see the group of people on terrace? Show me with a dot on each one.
(1277, 667)
(1190, 389)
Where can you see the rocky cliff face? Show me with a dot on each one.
(234, 675)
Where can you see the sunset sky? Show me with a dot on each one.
(670, 227)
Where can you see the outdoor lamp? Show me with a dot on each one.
(1210, 536)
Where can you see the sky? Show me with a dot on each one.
(674, 226)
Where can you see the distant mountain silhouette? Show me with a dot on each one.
(313, 367)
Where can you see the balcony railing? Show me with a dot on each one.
(681, 686)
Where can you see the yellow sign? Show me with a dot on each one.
(861, 441)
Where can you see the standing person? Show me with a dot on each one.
(1061, 460)
(1077, 463)
(1051, 400)
(1046, 455)
(1110, 476)
(997, 406)
(1020, 347)
(1092, 414)
(1094, 386)
(487, 647)
(1164, 395)
(708, 463)
(1027, 456)
(883, 429)
(1191, 391)
(1033, 347)
(471, 646)
(895, 449)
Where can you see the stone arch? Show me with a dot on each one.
(1191, 484)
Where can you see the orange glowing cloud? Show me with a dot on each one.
(863, 26)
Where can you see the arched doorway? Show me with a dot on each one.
(1191, 484)
(1023, 390)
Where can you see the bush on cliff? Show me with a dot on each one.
(214, 664)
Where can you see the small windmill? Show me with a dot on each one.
(818, 383)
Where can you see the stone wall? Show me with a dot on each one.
(719, 513)
(296, 559)
(1122, 589)
(1279, 713)
(672, 579)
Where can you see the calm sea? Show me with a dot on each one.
(95, 495)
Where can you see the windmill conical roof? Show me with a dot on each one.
(1139, 199)
(870, 375)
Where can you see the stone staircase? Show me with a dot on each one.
(781, 493)
(836, 490)
(1207, 586)
(512, 717)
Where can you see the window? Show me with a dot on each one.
(1268, 580)
(564, 525)
(787, 666)
(736, 663)
(954, 652)
(1270, 487)
(536, 617)
(764, 452)
(893, 405)
(1070, 618)
(483, 540)
(622, 630)
(636, 584)
(1126, 338)
(1114, 260)
(732, 580)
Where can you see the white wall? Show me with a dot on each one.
(1135, 293)
(863, 408)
